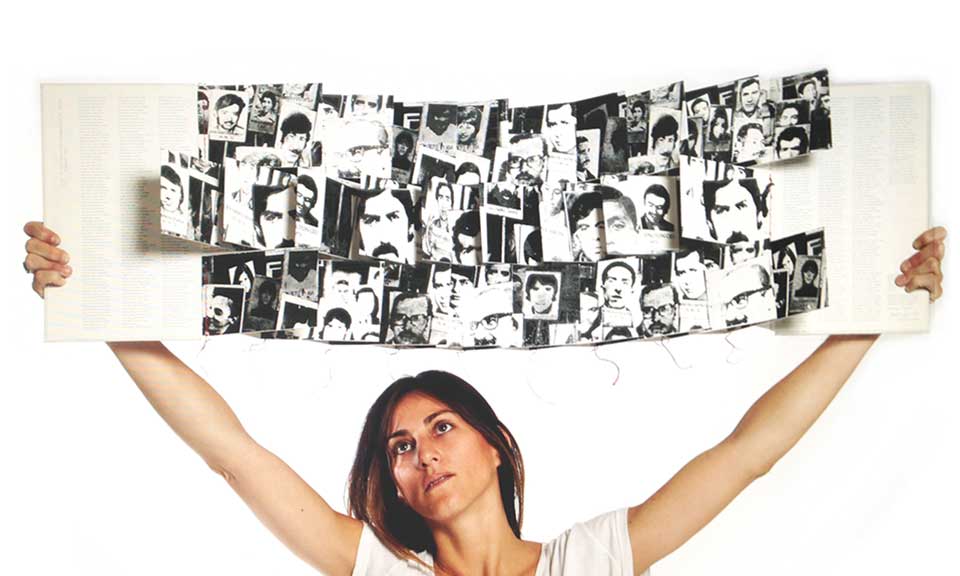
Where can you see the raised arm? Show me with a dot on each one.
(283, 501)
(769, 429)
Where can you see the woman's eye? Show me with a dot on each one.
(444, 427)
(401, 447)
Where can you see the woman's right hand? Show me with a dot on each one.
(44, 260)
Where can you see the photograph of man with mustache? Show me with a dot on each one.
(736, 210)
(387, 225)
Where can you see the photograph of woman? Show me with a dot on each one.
(437, 482)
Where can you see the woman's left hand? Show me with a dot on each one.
(924, 268)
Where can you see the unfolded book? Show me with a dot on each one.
(101, 144)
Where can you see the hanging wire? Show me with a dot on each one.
(596, 352)
(676, 359)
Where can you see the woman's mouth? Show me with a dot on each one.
(437, 481)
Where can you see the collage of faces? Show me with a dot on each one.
(543, 198)
(702, 286)
(757, 120)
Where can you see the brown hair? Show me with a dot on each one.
(373, 492)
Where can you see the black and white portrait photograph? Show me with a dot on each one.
(228, 115)
(472, 121)
(695, 269)
(451, 287)
(697, 103)
(263, 299)
(814, 89)
(588, 155)
(223, 309)
(741, 252)
(373, 107)
(603, 113)
(635, 109)
(310, 204)
(174, 197)
(467, 240)
(471, 170)
(541, 295)
(691, 138)
(351, 293)
(554, 224)
(436, 225)
(251, 166)
(410, 319)
(301, 276)
(692, 264)
(294, 134)
(203, 111)
(439, 130)
(747, 293)
(749, 141)
(274, 210)
(560, 129)
(489, 319)
(806, 284)
(265, 109)
(790, 142)
(403, 153)
(328, 117)
(359, 147)
(504, 198)
(616, 283)
(640, 214)
(522, 161)
(750, 105)
(496, 274)
(585, 215)
(659, 310)
(298, 316)
(526, 120)
(793, 113)
(387, 223)
(663, 143)
(728, 211)
(718, 137)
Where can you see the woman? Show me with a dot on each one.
(437, 477)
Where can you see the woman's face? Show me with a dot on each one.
(466, 132)
(719, 127)
(429, 443)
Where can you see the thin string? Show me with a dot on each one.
(531, 386)
(596, 352)
(676, 360)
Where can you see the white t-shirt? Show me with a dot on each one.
(599, 547)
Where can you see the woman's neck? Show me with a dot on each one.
(480, 542)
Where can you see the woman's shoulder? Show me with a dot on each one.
(598, 546)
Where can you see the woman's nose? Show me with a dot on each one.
(428, 453)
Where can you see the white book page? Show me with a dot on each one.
(870, 193)
(101, 145)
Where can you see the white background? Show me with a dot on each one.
(93, 482)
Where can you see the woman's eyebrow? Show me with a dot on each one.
(427, 420)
